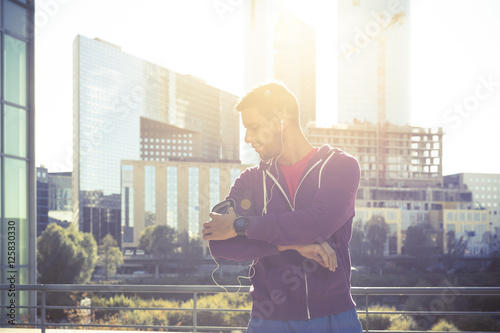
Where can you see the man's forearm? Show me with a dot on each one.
(241, 249)
(282, 248)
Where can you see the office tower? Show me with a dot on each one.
(485, 187)
(179, 194)
(42, 199)
(126, 108)
(17, 157)
(374, 61)
(278, 45)
(60, 198)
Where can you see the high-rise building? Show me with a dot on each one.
(278, 45)
(17, 159)
(179, 194)
(485, 187)
(412, 156)
(128, 108)
(374, 61)
(412, 190)
(42, 199)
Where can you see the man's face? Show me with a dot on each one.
(263, 134)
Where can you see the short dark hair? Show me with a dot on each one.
(271, 99)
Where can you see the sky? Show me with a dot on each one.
(455, 74)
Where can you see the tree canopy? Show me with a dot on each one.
(110, 256)
(65, 255)
(159, 240)
(357, 245)
(376, 230)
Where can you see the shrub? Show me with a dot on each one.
(377, 321)
(172, 317)
(444, 326)
(114, 301)
(402, 323)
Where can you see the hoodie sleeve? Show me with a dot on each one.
(242, 248)
(331, 208)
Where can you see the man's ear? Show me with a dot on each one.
(277, 123)
(284, 116)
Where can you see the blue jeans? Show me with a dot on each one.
(344, 322)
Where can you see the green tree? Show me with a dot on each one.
(65, 255)
(357, 245)
(376, 231)
(420, 244)
(159, 240)
(87, 242)
(110, 256)
(191, 248)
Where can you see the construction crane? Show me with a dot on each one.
(381, 100)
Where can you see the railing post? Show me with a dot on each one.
(366, 311)
(43, 314)
(195, 313)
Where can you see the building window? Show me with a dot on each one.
(149, 195)
(193, 201)
(172, 197)
(15, 131)
(214, 186)
(15, 61)
(235, 173)
(127, 203)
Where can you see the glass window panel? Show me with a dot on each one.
(15, 18)
(127, 203)
(16, 205)
(23, 295)
(235, 173)
(15, 85)
(150, 194)
(172, 197)
(15, 131)
(193, 201)
(214, 185)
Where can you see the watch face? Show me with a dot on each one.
(240, 226)
(240, 223)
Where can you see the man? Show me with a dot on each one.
(294, 220)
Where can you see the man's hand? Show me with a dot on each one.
(220, 227)
(322, 253)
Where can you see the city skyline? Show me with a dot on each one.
(450, 63)
(126, 108)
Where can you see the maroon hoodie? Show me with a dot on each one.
(286, 285)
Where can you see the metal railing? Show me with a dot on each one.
(443, 296)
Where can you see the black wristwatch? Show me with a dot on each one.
(240, 225)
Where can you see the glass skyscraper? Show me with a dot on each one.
(17, 155)
(278, 45)
(126, 108)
